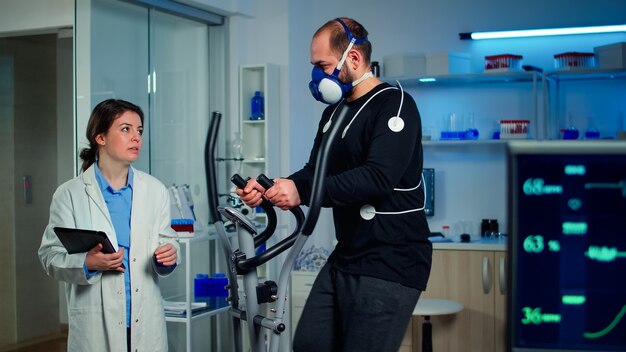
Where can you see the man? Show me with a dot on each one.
(364, 295)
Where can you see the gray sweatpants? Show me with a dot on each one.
(345, 313)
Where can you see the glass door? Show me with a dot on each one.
(160, 62)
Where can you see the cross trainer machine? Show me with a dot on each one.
(244, 260)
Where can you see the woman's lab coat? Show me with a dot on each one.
(97, 306)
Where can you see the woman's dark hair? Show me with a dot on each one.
(100, 121)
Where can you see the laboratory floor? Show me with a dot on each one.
(56, 343)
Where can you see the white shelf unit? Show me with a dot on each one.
(261, 142)
(188, 295)
(489, 82)
(594, 92)
(472, 171)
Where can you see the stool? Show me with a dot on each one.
(433, 306)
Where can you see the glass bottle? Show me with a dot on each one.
(236, 147)
(257, 107)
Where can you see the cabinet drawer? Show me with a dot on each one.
(298, 300)
(301, 282)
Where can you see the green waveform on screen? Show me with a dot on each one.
(619, 185)
(611, 326)
(604, 254)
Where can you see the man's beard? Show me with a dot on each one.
(348, 77)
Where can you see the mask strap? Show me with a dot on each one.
(345, 55)
(365, 76)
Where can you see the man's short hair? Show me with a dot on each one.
(339, 38)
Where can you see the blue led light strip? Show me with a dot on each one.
(543, 32)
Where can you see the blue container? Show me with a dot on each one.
(211, 290)
(592, 134)
(472, 134)
(570, 133)
(257, 107)
(453, 135)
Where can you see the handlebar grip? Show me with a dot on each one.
(238, 181)
(264, 181)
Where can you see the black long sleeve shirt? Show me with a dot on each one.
(376, 160)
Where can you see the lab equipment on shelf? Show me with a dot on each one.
(574, 60)
(514, 129)
(503, 63)
(182, 209)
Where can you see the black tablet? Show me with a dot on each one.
(80, 241)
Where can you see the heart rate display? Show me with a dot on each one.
(567, 247)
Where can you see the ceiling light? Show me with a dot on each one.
(541, 32)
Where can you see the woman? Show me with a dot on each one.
(108, 311)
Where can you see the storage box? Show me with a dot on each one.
(611, 56)
(404, 64)
(446, 63)
(211, 290)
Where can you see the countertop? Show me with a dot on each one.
(485, 244)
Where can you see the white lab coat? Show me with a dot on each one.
(96, 306)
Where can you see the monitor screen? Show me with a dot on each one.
(567, 246)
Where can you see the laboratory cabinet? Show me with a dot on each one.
(475, 278)
(301, 283)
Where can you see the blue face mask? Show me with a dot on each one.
(328, 88)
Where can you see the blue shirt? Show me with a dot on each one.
(119, 203)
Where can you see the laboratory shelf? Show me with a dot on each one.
(470, 78)
(585, 74)
(196, 315)
(465, 143)
(552, 85)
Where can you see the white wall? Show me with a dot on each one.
(226, 8)
(34, 16)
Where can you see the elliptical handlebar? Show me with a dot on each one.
(253, 262)
(267, 206)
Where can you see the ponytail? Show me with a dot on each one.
(88, 155)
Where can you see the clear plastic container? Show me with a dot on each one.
(503, 63)
(574, 60)
(514, 129)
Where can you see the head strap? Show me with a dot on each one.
(351, 37)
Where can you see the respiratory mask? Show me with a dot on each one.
(328, 88)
